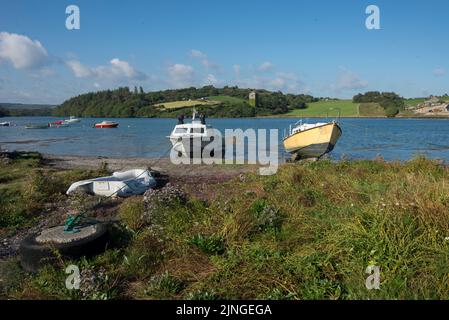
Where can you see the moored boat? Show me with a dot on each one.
(185, 137)
(59, 123)
(72, 119)
(312, 140)
(5, 124)
(106, 124)
(37, 126)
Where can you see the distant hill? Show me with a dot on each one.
(23, 106)
(230, 102)
(21, 109)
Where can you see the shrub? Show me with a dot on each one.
(131, 212)
(265, 216)
(42, 188)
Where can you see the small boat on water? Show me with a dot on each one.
(72, 119)
(5, 124)
(37, 126)
(106, 124)
(187, 135)
(311, 140)
(58, 124)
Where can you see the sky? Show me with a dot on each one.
(319, 47)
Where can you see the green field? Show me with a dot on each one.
(227, 99)
(371, 110)
(183, 104)
(414, 101)
(323, 108)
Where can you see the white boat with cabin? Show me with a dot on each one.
(72, 119)
(187, 137)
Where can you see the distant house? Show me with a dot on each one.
(431, 102)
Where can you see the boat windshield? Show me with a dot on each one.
(181, 130)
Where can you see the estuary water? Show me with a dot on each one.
(393, 139)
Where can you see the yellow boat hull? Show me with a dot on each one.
(314, 142)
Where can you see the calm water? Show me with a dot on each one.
(362, 138)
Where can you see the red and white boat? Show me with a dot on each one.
(106, 124)
(59, 123)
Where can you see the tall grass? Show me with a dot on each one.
(308, 232)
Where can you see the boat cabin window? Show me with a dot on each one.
(181, 130)
(197, 130)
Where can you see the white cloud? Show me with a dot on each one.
(439, 72)
(211, 80)
(197, 54)
(80, 70)
(348, 81)
(285, 82)
(21, 51)
(96, 85)
(181, 75)
(265, 66)
(116, 69)
(209, 64)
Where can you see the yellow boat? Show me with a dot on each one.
(312, 140)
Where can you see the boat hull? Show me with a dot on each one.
(185, 147)
(106, 126)
(37, 127)
(314, 142)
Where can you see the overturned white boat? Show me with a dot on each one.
(121, 184)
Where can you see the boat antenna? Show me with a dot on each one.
(194, 114)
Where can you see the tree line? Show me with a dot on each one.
(391, 102)
(123, 102)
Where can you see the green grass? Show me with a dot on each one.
(414, 101)
(308, 232)
(184, 104)
(322, 108)
(27, 186)
(227, 99)
(371, 110)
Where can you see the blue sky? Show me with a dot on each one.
(318, 47)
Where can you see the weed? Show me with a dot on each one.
(209, 245)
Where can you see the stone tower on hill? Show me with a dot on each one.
(252, 99)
